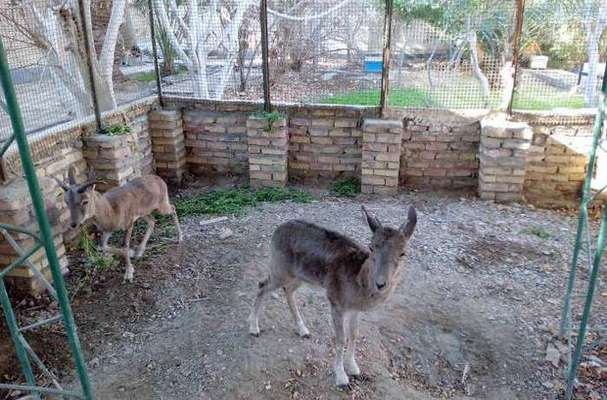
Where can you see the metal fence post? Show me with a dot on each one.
(516, 49)
(386, 56)
(89, 62)
(155, 54)
(263, 21)
(46, 236)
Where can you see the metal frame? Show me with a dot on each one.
(594, 256)
(58, 291)
(263, 21)
(386, 57)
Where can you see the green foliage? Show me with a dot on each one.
(145, 77)
(456, 97)
(349, 187)
(118, 130)
(537, 231)
(404, 97)
(271, 117)
(234, 201)
(93, 256)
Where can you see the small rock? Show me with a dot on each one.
(225, 233)
(553, 355)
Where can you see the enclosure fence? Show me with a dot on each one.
(456, 54)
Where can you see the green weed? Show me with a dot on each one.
(234, 201)
(537, 231)
(349, 187)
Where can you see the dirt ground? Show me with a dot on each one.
(474, 314)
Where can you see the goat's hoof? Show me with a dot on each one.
(346, 387)
(361, 377)
(303, 332)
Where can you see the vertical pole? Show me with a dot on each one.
(44, 225)
(155, 53)
(11, 323)
(579, 345)
(516, 49)
(89, 64)
(583, 218)
(385, 73)
(263, 20)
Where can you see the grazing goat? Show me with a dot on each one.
(119, 208)
(356, 278)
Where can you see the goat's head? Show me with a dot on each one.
(77, 197)
(388, 250)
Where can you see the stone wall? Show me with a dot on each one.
(16, 209)
(503, 152)
(439, 150)
(381, 156)
(558, 159)
(325, 142)
(268, 146)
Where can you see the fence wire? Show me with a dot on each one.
(324, 51)
(563, 51)
(445, 54)
(450, 54)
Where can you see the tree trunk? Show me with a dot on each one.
(478, 73)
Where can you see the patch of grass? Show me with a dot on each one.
(94, 257)
(118, 130)
(234, 201)
(144, 77)
(462, 96)
(398, 97)
(537, 231)
(349, 187)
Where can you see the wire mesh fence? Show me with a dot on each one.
(325, 51)
(450, 54)
(560, 63)
(445, 54)
(38, 66)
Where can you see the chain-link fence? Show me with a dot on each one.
(450, 54)
(444, 53)
(324, 51)
(563, 51)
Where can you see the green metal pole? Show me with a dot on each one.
(579, 345)
(583, 219)
(11, 323)
(45, 228)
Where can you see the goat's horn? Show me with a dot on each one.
(71, 178)
(61, 184)
(86, 185)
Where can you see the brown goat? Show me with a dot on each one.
(356, 278)
(119, 208)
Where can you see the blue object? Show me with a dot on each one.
(374, 65)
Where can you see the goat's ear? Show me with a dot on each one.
(408, 227)
(71, 175)
(373, 222)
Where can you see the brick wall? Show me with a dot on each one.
(325, 143)
(439, 151)
(558, 160)
(216, 142)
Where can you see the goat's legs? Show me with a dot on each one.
(151, 222)
(301, 326)
(177, 225)
(350, 363)
(128, 275)
(105, 249)
(265, 287)
(341, 379)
